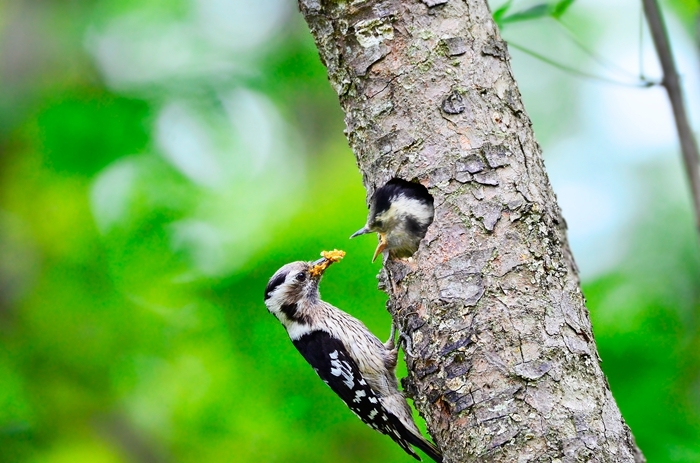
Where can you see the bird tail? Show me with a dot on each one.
(403, 429)
(429, 448)
(406, 437)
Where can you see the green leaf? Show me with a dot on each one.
(501, 11)
(536, 12)
(560, 8)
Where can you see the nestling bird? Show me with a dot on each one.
(400, 212)
(344, 353)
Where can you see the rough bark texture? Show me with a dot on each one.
(506, 368)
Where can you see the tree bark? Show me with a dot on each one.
(506, 368)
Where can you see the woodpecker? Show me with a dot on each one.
(400, 212)
(356, 365)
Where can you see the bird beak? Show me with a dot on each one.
(320, 266)
(380, 247)
(362, 231)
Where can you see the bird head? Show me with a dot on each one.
(295, 283)
(398, 210)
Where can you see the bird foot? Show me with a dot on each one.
(407, 344)
(404, 339)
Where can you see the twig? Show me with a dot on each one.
(598, 58)
(689, 147)
(579, 73)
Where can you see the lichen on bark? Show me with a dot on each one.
(506, 367)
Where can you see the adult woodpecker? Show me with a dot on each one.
(356, 365)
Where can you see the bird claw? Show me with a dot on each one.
(407, 344)
(404, 339)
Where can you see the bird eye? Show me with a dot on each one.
(301, 276)
(378, 224)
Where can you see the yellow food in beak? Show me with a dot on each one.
(329, 257)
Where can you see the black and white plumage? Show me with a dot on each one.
(356, 365)
(400, 212)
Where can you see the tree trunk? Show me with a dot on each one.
(506, 368)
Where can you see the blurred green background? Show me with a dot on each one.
(159, 160)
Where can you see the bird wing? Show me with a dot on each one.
(336, 367)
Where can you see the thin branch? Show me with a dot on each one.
(641, 43)
(598, 58)
(579, 73)
(689, 147)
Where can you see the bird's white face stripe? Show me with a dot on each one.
(285, 292)
(409, 206)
